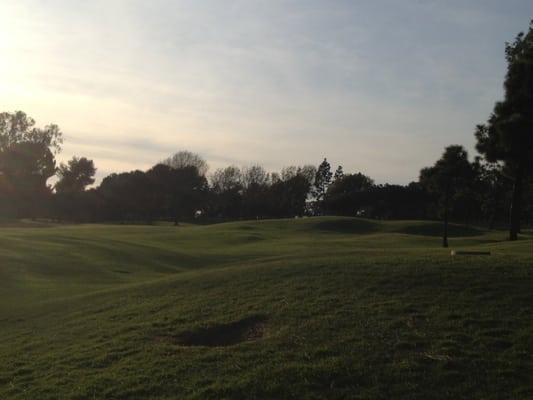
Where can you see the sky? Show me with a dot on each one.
(377, 86)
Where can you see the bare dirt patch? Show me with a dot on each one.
(223, 335)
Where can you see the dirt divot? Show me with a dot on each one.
(223, 335)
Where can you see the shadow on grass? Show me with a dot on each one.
(223, 335)
(347, 226)
(436, 228)
(25, 223)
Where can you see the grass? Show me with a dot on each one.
(320, 308)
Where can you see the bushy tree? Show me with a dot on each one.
(288, 196)
(451, 173)
(188, 192)
(75, 176)
(27, 161)
(180, 192)
(349, 194)
(127, 197)
(185, 158)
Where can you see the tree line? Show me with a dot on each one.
(496, 188)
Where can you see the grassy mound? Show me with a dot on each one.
(314, 308)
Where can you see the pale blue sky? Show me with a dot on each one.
(377, 86)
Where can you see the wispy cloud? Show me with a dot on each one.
(379, 86)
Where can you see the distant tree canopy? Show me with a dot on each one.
(179, 189)
(185, 158)
(306, 171)
(227, 179)
(254, 177)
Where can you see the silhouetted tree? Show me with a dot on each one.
(26, 163)
(492, 189)
(188, 192)
(25, 168)
(339, 173)
(75, 176)
(127, 196)
(508, 134)
(185, 158)
(288, 197)
(254, 175)
(288, 172)
(70, 201)
(306, 171)
(17, 128)
(177, 193)
(349, 194)
(450, 173)
(226, 179)
(397, 202)
(322, 181)
(256, 181)
(226, 193)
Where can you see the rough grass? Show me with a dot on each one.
(325, 308)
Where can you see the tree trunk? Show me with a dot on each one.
(516, 205)
(446, 206)
(492, 221)
(175, 202)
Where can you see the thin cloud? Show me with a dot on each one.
(377, 86)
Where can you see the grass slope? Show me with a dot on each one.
(315, 308)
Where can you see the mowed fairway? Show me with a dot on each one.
(319, 308)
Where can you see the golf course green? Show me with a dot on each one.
(313, 308)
